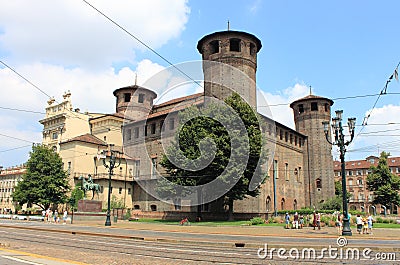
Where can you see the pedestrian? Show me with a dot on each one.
(65, 216)
(318, 216)
(47, 214)
(338, 223)
(55, 216)
(359, 223)
(296, 220)
(301, 221)
(287, 220)
(314, 219)
(370, 221)
(365, 225)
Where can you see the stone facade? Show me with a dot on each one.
(300, 170)
(309, 113)
(9, 178)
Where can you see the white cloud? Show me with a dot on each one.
(380, 134)
(255, 6)
(279, 103)
(73, 34)
(90, 91)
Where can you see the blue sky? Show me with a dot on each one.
(340, 48)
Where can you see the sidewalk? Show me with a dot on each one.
(270, 231)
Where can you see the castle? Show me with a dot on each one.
(300, 168)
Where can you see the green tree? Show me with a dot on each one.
(45, 182)
(335, 203)
(76, 195)
(203, 136)
(384, 184)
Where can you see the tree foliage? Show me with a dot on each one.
(383, 183)
(200, 130)
(336, 202)
(45, 182)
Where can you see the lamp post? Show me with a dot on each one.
(341, 143)
(112, 163)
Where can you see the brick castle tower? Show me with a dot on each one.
(309, 113)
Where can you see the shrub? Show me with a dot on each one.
(379, 220)
(257, 221)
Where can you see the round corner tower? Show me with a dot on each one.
(235, 49)
(138, 99)
(309, 113)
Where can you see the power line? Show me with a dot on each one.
(12, 69)
(12, 137)
(12, 149)
(383, 92)
(334, 99)
(23, 110)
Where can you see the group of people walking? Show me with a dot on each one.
(297, 223)
(364, 224)
(50, 216)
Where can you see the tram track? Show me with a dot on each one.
(136, 247)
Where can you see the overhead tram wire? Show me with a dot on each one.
(141, 42)
(9, 67)
(23, 110)
(383, 92)
(12, 149)
(334, 99)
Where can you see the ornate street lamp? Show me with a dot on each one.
(341, 143)
(112, 163)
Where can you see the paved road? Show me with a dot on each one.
(166, 243)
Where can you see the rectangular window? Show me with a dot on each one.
(154, 167)
(55, 136)
(153, 128)
(172, 124)
(286, 136)
(120, 191)
(214, 46)
(234, 45)
(136, 132)
(111, 189)
(137, 168)
(301, 108)
(141, 98)
(314, 106)
(280, 134)
(145, 130)
(127, 97)
(129, 191)
(162, 128)
(128, 134)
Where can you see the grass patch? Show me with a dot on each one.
(385, 225)
(203, 223)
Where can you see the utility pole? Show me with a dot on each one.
(113, 162)
(341, 143)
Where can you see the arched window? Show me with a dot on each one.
(283, 204)
(268, 204)
(318, 183)
(153, 207)
(295, 204)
